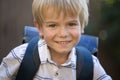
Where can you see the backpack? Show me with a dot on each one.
(84, 66)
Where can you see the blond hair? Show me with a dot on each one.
(68, 7)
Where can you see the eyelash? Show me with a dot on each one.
(52, 25)
(72, 24)
(69, 24)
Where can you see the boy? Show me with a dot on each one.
(60, 24)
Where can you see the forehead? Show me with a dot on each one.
(54, 8)
(51, 13)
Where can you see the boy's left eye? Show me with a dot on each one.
(72, 24)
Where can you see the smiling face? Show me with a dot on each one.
(61, 33)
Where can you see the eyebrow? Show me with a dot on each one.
(49, 22)
(74, 20)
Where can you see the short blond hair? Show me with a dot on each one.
(71, 7)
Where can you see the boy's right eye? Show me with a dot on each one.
(52, 25)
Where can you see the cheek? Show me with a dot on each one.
(76, 36)
(48, 35)
(76, 33)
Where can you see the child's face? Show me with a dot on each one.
(61, 33)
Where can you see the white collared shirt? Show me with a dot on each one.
(48, 69)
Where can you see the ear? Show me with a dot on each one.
(82, 30)
(37, 25)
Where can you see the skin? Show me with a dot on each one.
(61, 35)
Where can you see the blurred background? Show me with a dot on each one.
(104, 22)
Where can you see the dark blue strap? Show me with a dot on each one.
(30, 63)
(84, 68)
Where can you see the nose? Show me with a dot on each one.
(63, 32)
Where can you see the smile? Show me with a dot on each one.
(63, 43)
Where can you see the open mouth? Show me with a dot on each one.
(63, 43)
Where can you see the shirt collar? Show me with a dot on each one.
(45, 57)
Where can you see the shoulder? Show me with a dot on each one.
(11, 62)
(17, 53)
(97, 66)
(99, 72)
(20, 48)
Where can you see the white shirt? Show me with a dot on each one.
(48, 69)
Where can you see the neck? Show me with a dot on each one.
(59, 58)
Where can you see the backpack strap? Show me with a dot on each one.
(30, 63)
(84, 68)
